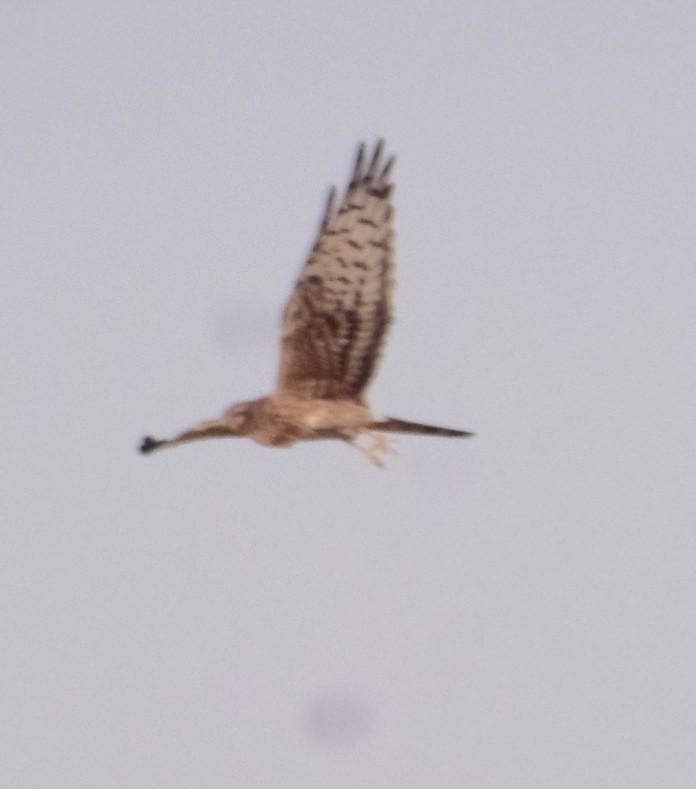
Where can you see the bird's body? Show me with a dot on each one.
(334, 329)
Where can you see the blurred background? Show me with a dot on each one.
(511, 612)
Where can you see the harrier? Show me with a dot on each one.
(333, 332)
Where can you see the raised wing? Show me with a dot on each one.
(335, 323)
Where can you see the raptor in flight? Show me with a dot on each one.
(334, 330)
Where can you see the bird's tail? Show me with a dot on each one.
(390, 425)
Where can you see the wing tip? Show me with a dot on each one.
(358, 173)
(330, 208)
(150, 444)
(376, 173)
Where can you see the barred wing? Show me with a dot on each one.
(335, 323)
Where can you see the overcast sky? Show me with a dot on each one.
(516, 611)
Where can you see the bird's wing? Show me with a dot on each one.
(335, 323)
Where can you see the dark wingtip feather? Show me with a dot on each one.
(359, 164)
(330, 208)
(149, 444)
(386, 171)
(373, 169)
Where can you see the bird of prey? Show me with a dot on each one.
(333, 331)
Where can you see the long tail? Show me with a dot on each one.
(390, 425)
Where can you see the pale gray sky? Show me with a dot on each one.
(512, 612)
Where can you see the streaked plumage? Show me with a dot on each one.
(334, 330)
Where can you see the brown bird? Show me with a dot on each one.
(334, 330)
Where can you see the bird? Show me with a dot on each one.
(334, 329)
